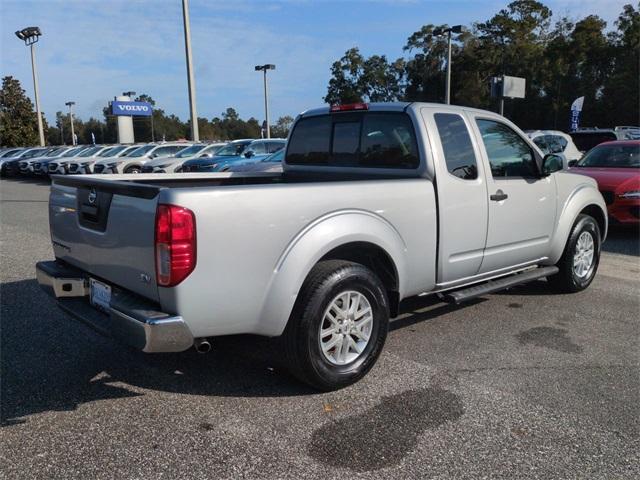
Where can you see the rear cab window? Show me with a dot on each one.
(384, 140)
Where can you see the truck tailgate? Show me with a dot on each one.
(107, 229)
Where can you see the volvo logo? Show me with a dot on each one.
(93, 196)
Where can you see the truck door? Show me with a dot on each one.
(462, 195)
(522, 205)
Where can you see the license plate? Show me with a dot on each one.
(100, 294)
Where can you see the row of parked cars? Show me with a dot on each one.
(166, 157)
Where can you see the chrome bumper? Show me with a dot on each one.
(131, 319)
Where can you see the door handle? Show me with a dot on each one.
(499, 196)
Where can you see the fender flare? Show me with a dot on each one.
(582, 197)
(318, 238)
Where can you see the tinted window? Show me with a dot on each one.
(257, 148)
(585, 141)
(309, 144)
(509, 155)
(163, 151)
(232, 149)
(374, 140)
(542, 143)
(346, 140)
(456, 146)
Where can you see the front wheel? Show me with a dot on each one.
(133, 170)
(338, 326)
(580, 259)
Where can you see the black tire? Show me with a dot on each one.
(567, 280)
(133, 170)
(305, 358)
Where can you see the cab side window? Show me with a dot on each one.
(456, 146)
(509, 155)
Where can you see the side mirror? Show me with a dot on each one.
(248, 154)
(573, 163)
(551, 162)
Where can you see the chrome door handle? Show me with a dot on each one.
(499, 196)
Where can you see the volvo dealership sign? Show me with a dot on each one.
(140, 109)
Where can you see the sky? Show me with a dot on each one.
(92, 50)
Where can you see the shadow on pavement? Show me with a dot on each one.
(623, 240)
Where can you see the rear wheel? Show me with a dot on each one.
(580, 259)
(133, 170)
(338, 326)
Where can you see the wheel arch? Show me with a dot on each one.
(584, 200)
(355, 235)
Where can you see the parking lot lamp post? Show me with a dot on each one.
(195, 135)
(30, 36)
(264, 69)
(73, 134)
(438, 32)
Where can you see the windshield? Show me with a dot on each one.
(232, 150)
(190, 151)
(33, 153)
(140, 151)
(111, 152)
(53, 153)
(276, 157)
(90, 152)
(73, 151)
(612, 156)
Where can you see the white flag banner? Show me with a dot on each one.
(576, 108)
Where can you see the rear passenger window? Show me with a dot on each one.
(456, 146)
(372, 140)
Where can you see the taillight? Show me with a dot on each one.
(175, 244)
(348, 107)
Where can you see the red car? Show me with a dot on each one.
(616, 168)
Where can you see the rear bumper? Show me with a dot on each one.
(131, 319)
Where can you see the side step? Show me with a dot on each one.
(465, 294)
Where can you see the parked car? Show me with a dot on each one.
(7, 156)
(60, 165)
(135, 160)
(232, 151)
(12, 166)
(616, 168)
(173, 163)
(374, 207)
(270, 163)
(25, 165)
(627, 132)
(84, 165)
(586, 139)
(40, 166)
(554, 141)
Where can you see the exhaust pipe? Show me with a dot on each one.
(202, 345)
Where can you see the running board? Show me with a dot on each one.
(465, 294)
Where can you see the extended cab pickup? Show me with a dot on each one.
(376, 203)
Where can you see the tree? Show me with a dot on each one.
(18, 121)
(282, 127)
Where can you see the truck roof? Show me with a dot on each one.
(396, 107)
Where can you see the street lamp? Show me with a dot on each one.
(73, 134)
(195, 135)
(264, 69)
(30, 36)
(438, 32)
(129, 94)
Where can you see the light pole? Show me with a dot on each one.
(264, 68)
(73, 133)
(30, 36)
(438, 32)
(195, 135)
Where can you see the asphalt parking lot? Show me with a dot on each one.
(522, 384)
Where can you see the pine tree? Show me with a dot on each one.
(18, 121)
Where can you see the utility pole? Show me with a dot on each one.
(264, 68)
(195, 135)
(438, 32)
(73, 134)
(30, 36)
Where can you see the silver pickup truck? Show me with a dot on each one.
(377, 203)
